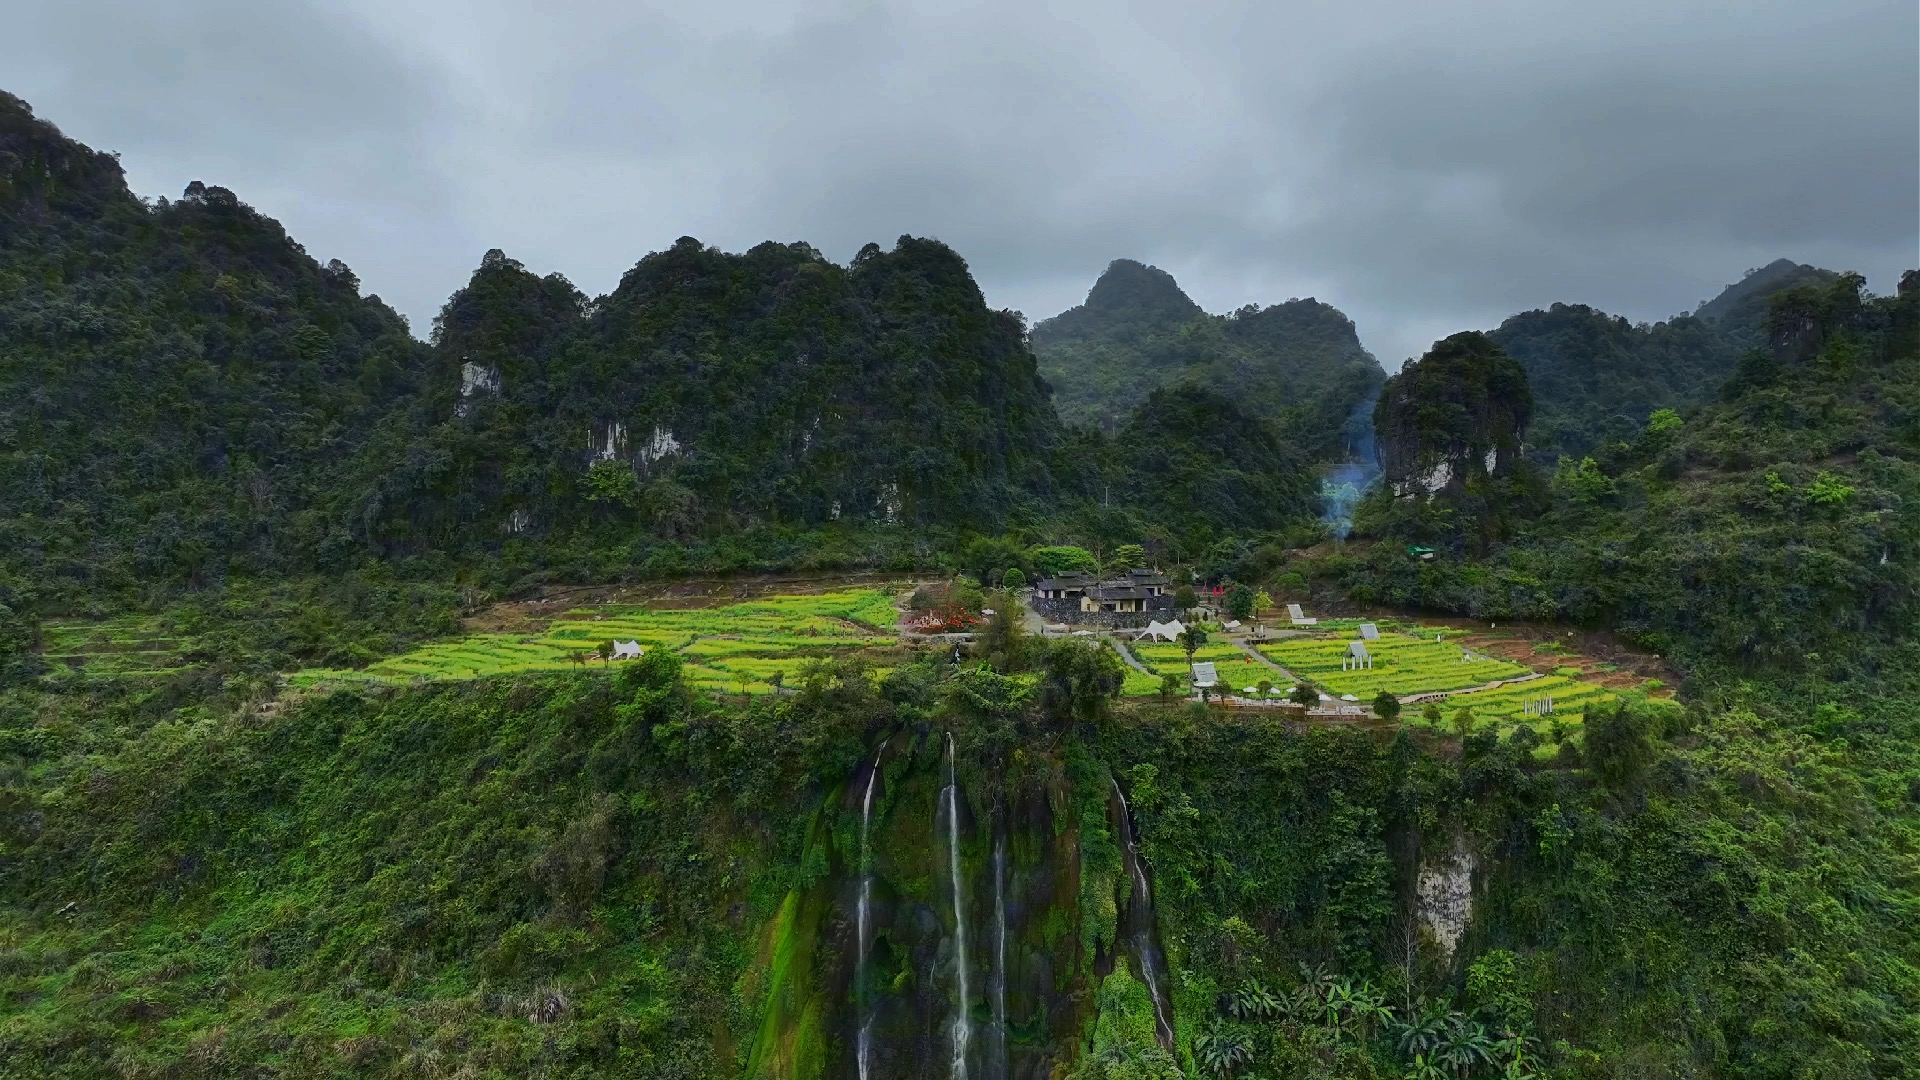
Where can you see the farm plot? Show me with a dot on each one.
(1169, 659)
(1137, 684)
(725, 648)
(1506, 705)
(130, 646)
(1402, 665)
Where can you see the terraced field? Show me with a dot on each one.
(131, 646)
(1139, 685)
(1402, 664)
(1172, 659)
(739, 648)
(1406, 664)
(1507, 704)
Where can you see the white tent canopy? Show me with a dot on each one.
(1204, 675)
(1369, 631)
(1162, 631)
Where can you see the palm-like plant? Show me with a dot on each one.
(1223, 1048)
(1467, 1046)
(1423, 1031)
(1253, 1001)
(1520, 1053)
(1423, 1068)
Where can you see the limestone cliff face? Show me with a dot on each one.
(1458, 413)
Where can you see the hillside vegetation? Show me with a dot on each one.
(1775, 528)
(1299, 364)
(1596, 378)
(283, 793)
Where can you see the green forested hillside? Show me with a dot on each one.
(177, 380)
(1776, 527)
(714, 392)
(1597, 377)
(219, 463)
(1298, 364)
(591, 875)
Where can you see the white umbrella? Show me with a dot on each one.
(1348, 697)
(1249, 689)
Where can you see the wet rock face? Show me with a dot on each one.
(1457, 414)
(1017, 864)
(1445, 894)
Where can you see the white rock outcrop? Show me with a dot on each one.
(1445, 894)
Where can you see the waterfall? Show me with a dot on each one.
(1139, 918)
(962, 1022)
(865, 919)
(1000, 950)
(1342, 485)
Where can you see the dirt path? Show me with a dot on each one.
(1127, 655)
(1261, 658)
(1442, 695)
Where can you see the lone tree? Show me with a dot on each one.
(1305, 694)
(1127, 557)
(1013, 579)
(1184, 597)
(1169, 687)
(1263, 601)
(1191, 639)
(1386, 705)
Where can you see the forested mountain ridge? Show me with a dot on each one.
(1598, 377)
(177, 380)
(1299, 364)
(713, 392)
(1777, 527)
(716, 410)
(1743, 304)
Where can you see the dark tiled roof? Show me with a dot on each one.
(1117, 592)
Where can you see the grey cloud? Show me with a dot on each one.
(1424, 167)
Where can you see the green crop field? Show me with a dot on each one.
(1172, 658)
(1140, 685)
(135, 645)
(1506, 705)
(727, 649)
(1402, 665)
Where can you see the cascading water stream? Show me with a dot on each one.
(962, 1022)
(1000, 951)
(865, 919)
(1140, 924)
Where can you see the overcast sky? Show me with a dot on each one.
(1426, 167)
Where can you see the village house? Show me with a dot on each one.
(1123, 600)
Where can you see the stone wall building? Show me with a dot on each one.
(1131, 599)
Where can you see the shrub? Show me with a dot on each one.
(1240, 602)
(1386, 705)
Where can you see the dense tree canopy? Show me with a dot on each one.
(1299, 364)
